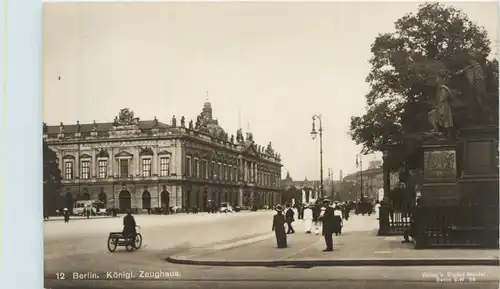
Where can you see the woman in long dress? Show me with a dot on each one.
(279, 227)
(337, 224)
(308, 218)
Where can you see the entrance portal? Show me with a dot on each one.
(165, 201)
(146, 200)
(68, 202)
(104, 199)
(125, 201)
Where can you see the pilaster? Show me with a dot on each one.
(94, 164)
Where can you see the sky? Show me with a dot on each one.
(267, 67)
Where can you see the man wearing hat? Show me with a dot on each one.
(328, 225)
(289, 217)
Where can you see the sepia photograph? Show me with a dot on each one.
(270, 145)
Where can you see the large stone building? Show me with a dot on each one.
(130, 163)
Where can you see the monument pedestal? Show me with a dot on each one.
(460, 191)
(478, 185)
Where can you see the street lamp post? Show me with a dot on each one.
(313, 135)
(359, 162)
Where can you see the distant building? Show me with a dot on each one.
(137, 164)
(373, 181)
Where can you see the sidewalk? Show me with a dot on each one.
(354, 247)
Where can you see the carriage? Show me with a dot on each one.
(116, 239)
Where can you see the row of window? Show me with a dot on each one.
(225, 172)
(123, 168)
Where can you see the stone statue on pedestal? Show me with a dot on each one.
(232, 138)
(474, 75)
(61, 128)
(155, 122)
(249, 136)
(94, 126)
(269, 149)
(77, 126)
(441, 117)
(191, 124)
(174, 121)
(239, 135)
(183, 122)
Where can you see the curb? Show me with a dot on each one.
(340, 262)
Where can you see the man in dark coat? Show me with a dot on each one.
(289, 219)
(129, 225)
(328, 225)
(279, 227)
(316, 221)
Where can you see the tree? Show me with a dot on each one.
(51, 179)
(434, 41)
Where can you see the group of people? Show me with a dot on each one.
(323, 216)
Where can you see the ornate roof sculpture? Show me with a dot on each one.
(126, 117)
(205, 123)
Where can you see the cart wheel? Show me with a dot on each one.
(112, 242)
(130, 246)
(138, 241)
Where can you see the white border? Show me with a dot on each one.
(21, 217)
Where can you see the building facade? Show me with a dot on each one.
(130, 163)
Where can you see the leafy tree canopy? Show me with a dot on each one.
(51, 172)
(435, 41)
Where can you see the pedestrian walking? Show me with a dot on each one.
(316, 221)
(279, 227)
(308, 219)
(337, 221)
(289, 218)
(346, 210)
(328, 217)
(300, 211)
(66, 215)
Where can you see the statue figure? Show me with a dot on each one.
(226, 136)
(61, 128)
(239, 135)
(174, 121)
(115, 121)
(191, 124)
(183, 122)
(232, 138)
(45, 128)
(249, 136)
(269, 149)
(440, 117)
(77, 126)
(155, 122)
(477, 87)
(198, 122)
(94, 127)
